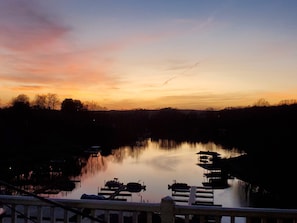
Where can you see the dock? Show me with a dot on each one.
(195, 195)
(216, 175)
(119, 191)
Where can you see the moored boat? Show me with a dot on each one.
(178, 186)
(135, 187)
(113, 184)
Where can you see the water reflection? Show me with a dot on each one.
(155, 164)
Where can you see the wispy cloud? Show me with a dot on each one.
(183, 69)
(37, 50)
(167, 81)
(24, 26)
(40, 49)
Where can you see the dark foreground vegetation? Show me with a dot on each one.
(267, 134)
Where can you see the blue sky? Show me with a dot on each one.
(150, 54)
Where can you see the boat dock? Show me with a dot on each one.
(115, 190)
(216, 175)
(195, 195)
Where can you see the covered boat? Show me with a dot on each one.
(178, 186)
(115, 183)
(135, 187)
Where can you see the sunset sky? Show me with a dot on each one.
(126, 54)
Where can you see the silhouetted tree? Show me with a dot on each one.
(93, 106)
(21, 102)
(70, 105)
(288, 102)
(40, 101)
(52, 101)
(262, 103)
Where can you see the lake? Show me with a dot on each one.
(42, 149)
(155, 164)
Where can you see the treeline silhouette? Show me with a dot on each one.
(266, 133)
(256, 130)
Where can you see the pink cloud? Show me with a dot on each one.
(73, 68)
(37, 50)
(24, 26)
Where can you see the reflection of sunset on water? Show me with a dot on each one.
(93, 165)
(155, 164)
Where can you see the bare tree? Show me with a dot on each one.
(93, 106)
(262, 103)
(40, 101)
(52, 101)
(288, 102)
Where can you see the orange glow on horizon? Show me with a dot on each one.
(194, 56)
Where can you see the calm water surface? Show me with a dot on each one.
(156, 165)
